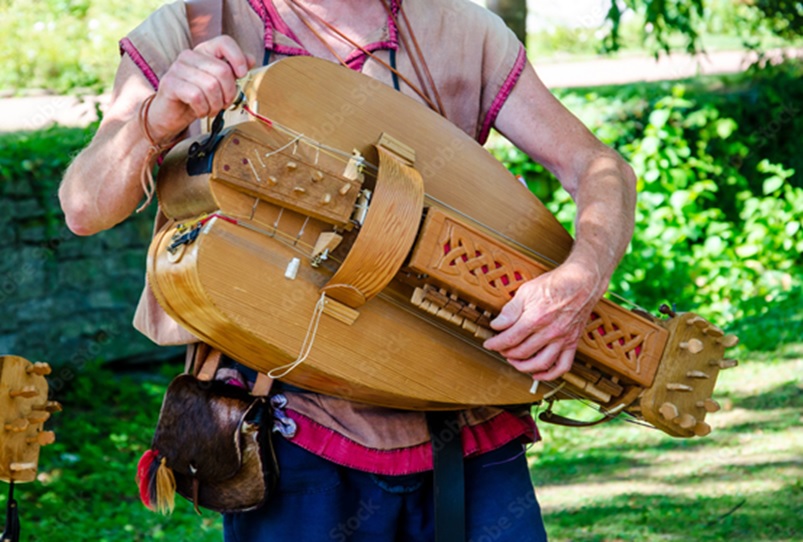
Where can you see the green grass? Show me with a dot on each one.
(616, 482)
(621, 482)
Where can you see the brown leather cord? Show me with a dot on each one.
(417, 50)
(296, 7)
(154, 150)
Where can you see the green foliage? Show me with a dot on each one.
(87, 489)
(718, 224)
(681, 24)
(34, 162)
(63, 45)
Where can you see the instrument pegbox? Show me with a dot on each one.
(24, 409)
(680, 396)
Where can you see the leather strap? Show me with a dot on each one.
(205, 18)
(448, 481)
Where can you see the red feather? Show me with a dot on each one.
(145, 477)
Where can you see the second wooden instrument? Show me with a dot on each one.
(293, 255)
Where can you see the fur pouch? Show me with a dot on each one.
(212, 446)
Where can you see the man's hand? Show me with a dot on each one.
(201, 82)
(541, 326)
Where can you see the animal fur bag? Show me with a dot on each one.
(212, 445)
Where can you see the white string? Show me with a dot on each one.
(306, 346)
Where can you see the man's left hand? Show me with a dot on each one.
(541, 326)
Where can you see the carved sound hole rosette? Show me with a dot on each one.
(479, 266)
(611, 338)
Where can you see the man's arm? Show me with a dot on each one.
(541, 326)
(102, 186)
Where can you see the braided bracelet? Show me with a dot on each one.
(155, 149)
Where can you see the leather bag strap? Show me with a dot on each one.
(205, 18)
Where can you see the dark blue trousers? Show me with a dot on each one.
(319, 501)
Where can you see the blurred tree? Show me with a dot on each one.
(514, 13)
(665, 18)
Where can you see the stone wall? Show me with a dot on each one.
(65, 299)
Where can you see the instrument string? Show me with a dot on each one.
(372, 169)
(292, 242)
(306, 345)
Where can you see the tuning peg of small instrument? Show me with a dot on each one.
(698, 321)
(728, 340)
(344, 189)
(19, 467)
(38, 416)
(724, 363)
(50, 406)
(697, 374)
(27, 392)
(273, 180)
(695, 346)
(39, 368)
(17, 426)
(687, 421)
(43, 438)
(316, 176)
(326, 199)
(713, 331)
(701, 429)
(669, 411)
(709, 405)
(291, 166)
(674, 386)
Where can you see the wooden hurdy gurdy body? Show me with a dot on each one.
(350, 241)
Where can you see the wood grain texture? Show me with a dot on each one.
(348, 110)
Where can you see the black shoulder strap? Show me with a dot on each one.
(205, 18)
(448, 481)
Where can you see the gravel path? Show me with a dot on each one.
(37, 112)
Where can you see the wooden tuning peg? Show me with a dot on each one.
(50, 406)
(316, 176)
(27, 392)
(19, 467)
(724, 363)
(709, 405)
(43, 438)
(344, 189)
(326, 199)
(39, 368)
(701, 429)
(713, 331)
(292, 166)
(728, 340)
(17, 426)
(39, 416)
(273, 180)
(695, 346)
(669, 411)
(674, 386)
(697, 374)
(698, 321)
(686, 421)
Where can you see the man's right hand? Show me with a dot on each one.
(200, 82)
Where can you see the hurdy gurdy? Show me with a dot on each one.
(348, 240)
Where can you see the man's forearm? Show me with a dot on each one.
(103, 185)
(605, 199)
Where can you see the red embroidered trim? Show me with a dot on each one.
(332, 446)
(504, 94)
